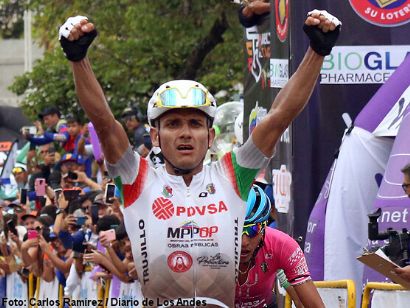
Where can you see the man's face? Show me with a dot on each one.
(73, 129)
(249, 245)
(131, 123)
(47, 154)
(21, 177)
(50, 120)
(406, 184)
(184, 138)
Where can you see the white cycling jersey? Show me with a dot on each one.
(186, 240)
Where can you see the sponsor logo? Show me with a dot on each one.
(282, 19)
(384, 13)
(278, 72)
(281, 179)
(167, 191)
(258, 47)
(203, 194)
(210, 188)
(216, 262)
(144, 253)
(362, 64)
(179, 261)
(164, 209)
(191, 230)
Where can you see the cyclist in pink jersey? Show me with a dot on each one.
(185, 212)
(264, 252)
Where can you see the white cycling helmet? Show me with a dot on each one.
(180, 94)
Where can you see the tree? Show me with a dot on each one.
(141, 44)
(11, 18)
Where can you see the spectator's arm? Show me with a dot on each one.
(120, 265)
(29, 251)
(46, 138)
(103, 260)
(83, 178)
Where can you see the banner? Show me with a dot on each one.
(362, 64)
(315, 233)
(354, 187)
(317, 131)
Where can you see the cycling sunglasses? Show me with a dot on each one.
(172, 97)
(253, 230)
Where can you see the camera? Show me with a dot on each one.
(398, 247)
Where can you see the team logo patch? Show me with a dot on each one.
(163, 208)
(210, 188)
(179, 261)
(282, 19)
(167, 191)
(384, 13)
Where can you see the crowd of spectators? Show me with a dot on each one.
(65, 215)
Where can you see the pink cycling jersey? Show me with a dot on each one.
(279, 251)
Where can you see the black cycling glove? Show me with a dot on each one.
(322, 42)
(77, 50)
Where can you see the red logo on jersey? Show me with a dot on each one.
(179, 261)
(163, 208)
(385, 13)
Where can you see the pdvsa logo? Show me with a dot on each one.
(385, 13)
(164, 209)
(191, 230)
(282, 19)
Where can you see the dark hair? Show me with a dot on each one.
(406, 169)
(45, 219)
(74, 205)
(71, 118)
(107, 222)
(50, 210)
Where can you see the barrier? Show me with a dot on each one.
(16, 288)
(385, 295)
(47, 293)
(334, 293)
(118, 290)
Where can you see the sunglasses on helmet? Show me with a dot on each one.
(17, 170)
(172, 97)
(253, 230)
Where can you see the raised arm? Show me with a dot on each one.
(75, 37)
(322, 30)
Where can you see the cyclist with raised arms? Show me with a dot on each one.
(184, 219)
(264, 252)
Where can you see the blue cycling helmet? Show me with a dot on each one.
(257, 207)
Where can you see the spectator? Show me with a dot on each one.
(21, 175)
(132, 117)
(55, 128)
(46, 167)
